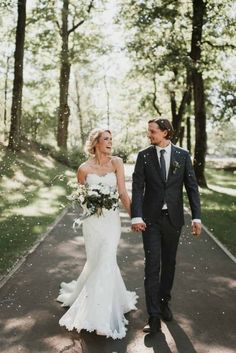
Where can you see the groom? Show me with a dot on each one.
(160, 172)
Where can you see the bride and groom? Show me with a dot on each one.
(98, 299)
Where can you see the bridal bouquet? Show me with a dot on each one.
(93, 200)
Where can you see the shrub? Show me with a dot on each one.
(122, 152)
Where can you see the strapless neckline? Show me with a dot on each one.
(108, 179)
(100, 176)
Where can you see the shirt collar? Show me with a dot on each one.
(167, 148)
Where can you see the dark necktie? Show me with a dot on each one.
(163, 164)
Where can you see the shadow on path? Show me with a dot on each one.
(203, 298)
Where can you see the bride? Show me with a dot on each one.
(98, 299)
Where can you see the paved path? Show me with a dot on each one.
(204, 298)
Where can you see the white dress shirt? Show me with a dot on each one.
(166, 156)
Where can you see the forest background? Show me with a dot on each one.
(68, 66)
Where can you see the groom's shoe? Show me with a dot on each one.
(153, 325)
(166, 313)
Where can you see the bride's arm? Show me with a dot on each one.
(81, 175)
(124, 197)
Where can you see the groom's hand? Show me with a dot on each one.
(196, 228)
(138, 227)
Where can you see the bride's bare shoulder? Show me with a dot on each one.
(116, 160)
(85, 165)
(83, 170)
(117, 163)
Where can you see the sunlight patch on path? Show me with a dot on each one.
(45, 204)
(207, 348)
(160, 342)
(223, 190)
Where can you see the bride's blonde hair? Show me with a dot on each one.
(93, 139)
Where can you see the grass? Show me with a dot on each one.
(33, 187)
(219, 206)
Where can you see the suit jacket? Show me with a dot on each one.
(149, 190)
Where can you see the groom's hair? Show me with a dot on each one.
(164, 125)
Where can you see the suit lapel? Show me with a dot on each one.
(173, 158)
(156, 161)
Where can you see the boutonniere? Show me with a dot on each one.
(175, 166)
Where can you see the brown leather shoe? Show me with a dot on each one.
(153, 325)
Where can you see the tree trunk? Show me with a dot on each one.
(5, 92)
(177, 116)
(16, 108)
(64, 111)
(181, 136)
(198, 92)
(188, 123)
(200, 128)
(80, 114)
(107, 101)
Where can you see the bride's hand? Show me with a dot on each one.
(139, 227)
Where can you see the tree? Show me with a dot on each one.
(182, 44)
(159, 47)
(6, 91)
(16, 109)
(199, 13)
(63, 110)
(79, 110)
(211, 38)
(50, 66)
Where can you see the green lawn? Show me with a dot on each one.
(219, 206)
(32, 193)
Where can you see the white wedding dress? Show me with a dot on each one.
(98, 299)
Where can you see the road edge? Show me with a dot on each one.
(5, 278)
(217, 241)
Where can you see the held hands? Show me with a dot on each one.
(138, 227)
(196, 228)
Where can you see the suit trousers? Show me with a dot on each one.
(160, 242)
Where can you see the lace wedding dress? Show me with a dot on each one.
(99, 299)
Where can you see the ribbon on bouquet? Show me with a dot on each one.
(79, 221)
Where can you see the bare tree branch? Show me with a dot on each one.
(155, 95)
(173, 105)
(58, 26)
(75, 26)
(82, 21)
(178, 113)
(217, 46)
(183, 103)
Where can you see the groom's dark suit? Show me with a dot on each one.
(149, 192)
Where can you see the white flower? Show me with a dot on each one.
(73, 183)
(93, 193)
(94, 199)
(81, 198)
(105, 190)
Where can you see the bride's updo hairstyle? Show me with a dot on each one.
(93, 139)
